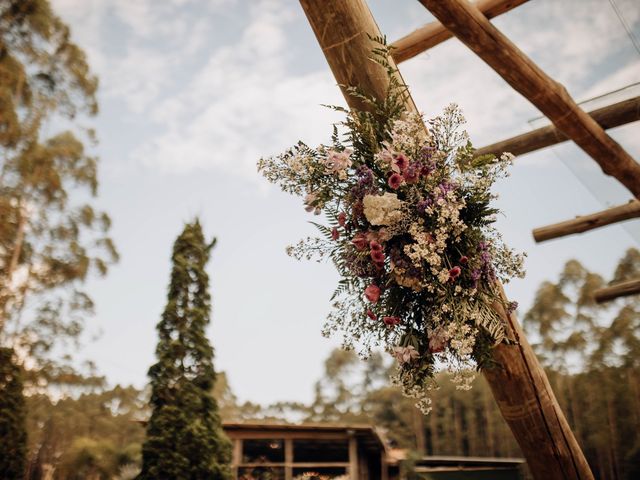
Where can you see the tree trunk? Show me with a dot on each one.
(344, 29)
(433, 430)
(491, 444)
(613, 436)
(5, 286)
(418, 428)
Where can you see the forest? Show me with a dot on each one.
(594, 370)
(61, 418)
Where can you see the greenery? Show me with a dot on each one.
(13, 435)
(51, 237)
(184, 436)
(410, 232)
(597, 390)
(93, 435)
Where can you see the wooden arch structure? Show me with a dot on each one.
(344, 29)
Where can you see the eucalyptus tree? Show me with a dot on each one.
(51, 236)
(563, 321)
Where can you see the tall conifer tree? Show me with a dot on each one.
(184, 435)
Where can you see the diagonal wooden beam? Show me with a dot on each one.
(551, 98)
(611, 116)
(617, 290)
(434, 33)
(519, 385)
(588, 222)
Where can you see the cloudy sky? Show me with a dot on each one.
(194, 92)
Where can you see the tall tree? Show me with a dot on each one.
(51, 237)
(13, 436)
(184, 435)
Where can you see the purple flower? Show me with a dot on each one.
(446, 187)
(426, 152)
(411, 174)
(424, 204)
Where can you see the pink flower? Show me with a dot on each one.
(372, 292)
(342, 219)
(377, 256)
(437, 340)
(391, 321)
(338, 161)
(454, 273)
(411, 174)
(335, 234)
(400, 163)
(395, 181)
(360, 241)
(405, 354)
(309, 201)
(375, 246)
(386, 156)
(371, 315)
(464, 259)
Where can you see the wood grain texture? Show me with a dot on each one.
(611, 116)
(622, 289)
(434, 33)
(519, 385)
(468, 23)
(585, 223)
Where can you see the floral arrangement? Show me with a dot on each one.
(409, 228)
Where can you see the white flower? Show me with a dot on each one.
(383, 210)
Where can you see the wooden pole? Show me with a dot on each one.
(588, 222)
(469, 24)
(519, 384)
(434, 33)
(622, 289)
(611, 116)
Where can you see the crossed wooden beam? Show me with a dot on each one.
(470, 23)
(344, 29)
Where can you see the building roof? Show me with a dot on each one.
(371, 438)
(368, 435)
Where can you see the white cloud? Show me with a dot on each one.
(245, 102)
(154, 40)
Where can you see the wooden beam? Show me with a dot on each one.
(519, 384)
(552, 99)
(434, 33)
(611, 116)
(588, 222)
(353, 458)
(622, 289)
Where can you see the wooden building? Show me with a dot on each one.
(354, 452)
